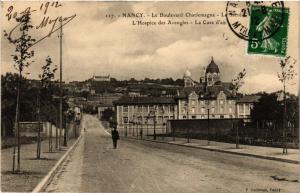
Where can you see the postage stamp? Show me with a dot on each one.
(238, 16)
(262, 23)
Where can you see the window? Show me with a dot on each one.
(202, 102)
(221, 109)
(193, 110)
(202, 110)
(229, 102)
(212, 102)
(212, 110)
(193, 117)
(230, 110)
(221, 102)
(184, 117)
(193, 102)
(125, 109)
(222, 116)
(125, 119)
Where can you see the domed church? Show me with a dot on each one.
(211, 93)
(212, 73)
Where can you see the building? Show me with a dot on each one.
(101, 78)
(145, 111)
(209, 98)
(212, 98)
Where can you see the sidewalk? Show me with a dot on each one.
(270, 153)
(32, 170)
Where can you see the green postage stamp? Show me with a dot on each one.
(268, 31)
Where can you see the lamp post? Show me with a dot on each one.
(208, 125)
(237, 145)
(129, 127)
(133, 126)
(154, 132)
(147, 125)
(141, 128)
(208, 142)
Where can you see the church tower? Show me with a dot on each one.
(212, 74)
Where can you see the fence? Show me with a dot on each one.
(264, 133)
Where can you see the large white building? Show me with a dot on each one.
(209, 98)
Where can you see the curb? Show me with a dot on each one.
(228, 152)
(40, 187)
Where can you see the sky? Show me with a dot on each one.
(95, 44)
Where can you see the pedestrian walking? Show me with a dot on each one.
(115, 137)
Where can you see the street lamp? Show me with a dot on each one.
(141, 128)
(208, 126)
(237, 145)
(154, 134)
(148, 124)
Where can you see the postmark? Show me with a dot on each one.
(238, 16)
(261, 26)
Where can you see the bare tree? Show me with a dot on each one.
(22, 58)
(236, 84)
(285, 76)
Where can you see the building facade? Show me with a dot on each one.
(145, 112)
(208, 99)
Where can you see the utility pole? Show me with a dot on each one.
(60, 88)
(208, 127)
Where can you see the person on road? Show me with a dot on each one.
(115, 137)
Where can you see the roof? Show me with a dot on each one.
(144, 100)
(212, 67)
(248, 99)
(210, 92)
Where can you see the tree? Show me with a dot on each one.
(236, 84)
(9, 85)
(285, 76)
(45, 79)
(22, 58)
(266, 104)
(107, 114)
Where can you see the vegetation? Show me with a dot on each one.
(28, 104)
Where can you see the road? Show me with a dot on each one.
(146, 167)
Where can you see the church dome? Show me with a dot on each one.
(212, 67)
(187, 73)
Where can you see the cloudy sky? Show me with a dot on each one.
(95, 44)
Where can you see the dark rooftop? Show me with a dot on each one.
(125, 100)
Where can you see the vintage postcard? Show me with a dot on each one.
(150, 96)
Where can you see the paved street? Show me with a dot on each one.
(143, 166)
